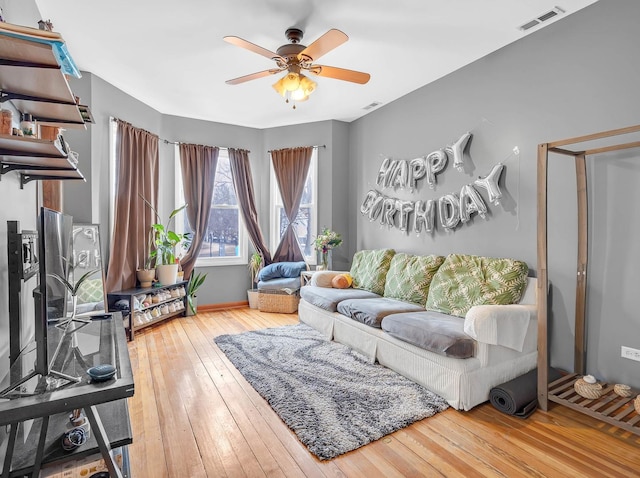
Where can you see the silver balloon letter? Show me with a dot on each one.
(448, 210)
(424, 215)
(401, 176)
(457, 150)
(388, 212)
(490, 183)
(417, 170)
(390, 174)
(382, 172)
(405, 208)
(370, 198)
(436, 162)
(470, 202)
(376, 208)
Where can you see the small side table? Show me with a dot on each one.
(305, 277)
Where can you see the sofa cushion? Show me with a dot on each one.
(323, 278)
(278, 270)
(342, 281)
(328, 298)
(463, 281)
(371, 311)
(438, 333)
(369, 269)
(288, 283)
(409, 277)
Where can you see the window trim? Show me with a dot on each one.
(274, 197)
(243, 237)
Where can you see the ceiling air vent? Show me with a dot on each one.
(372, 105)
(541, 18)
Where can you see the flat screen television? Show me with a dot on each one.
(50, 298)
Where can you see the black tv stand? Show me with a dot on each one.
(105, 404)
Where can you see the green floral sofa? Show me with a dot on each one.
(459, 325)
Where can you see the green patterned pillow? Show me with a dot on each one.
(464, 281)
(410, 276)
(369, 269)
(91, 291)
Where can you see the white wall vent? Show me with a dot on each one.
(542, 18)
(372, 105)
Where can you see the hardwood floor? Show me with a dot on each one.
(194, 415)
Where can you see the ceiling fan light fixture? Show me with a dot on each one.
(291, 81)
(295, 86)
(279, 87)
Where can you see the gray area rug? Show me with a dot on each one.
(329, 395)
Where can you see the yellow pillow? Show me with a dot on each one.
(342, 281)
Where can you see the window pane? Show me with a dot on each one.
(307, 193)
(303, 224)
(221, 239)
(223, 191)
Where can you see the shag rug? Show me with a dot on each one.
(329, 395)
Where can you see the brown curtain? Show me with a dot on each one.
(136, 174)
(198, 164)
(243, 184)
(291, 167)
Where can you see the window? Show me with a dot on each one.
(225, 242)
(306, 221)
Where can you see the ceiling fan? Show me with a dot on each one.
(294, 58)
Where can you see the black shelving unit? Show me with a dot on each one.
(130, 294)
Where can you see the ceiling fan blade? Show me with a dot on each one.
(237, 41)
(323, 45)
(252, 76)
(340, 74)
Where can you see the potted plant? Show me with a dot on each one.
(195, 281)
(255, 264)
(147, 274)
(165, 242)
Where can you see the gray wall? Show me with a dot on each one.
(574, 77)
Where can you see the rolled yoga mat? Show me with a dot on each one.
(519, 397)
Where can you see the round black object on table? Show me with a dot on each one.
(101, 373)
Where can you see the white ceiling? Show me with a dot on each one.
(171, 56)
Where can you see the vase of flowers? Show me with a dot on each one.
(323, 244)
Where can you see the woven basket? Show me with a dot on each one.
(588, 390)
(278, 301)
(622, 390)
(636, 404)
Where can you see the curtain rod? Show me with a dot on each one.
(166, 141)
(317, 146)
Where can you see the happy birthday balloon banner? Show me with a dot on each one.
(451, 209)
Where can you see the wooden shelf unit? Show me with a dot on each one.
(610, 407)
(34, 83)
(620, 412)
(129, 296)
(32, 80)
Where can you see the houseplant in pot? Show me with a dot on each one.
(165, 242)
(255, 264)
(147, 274)
(195, 281)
